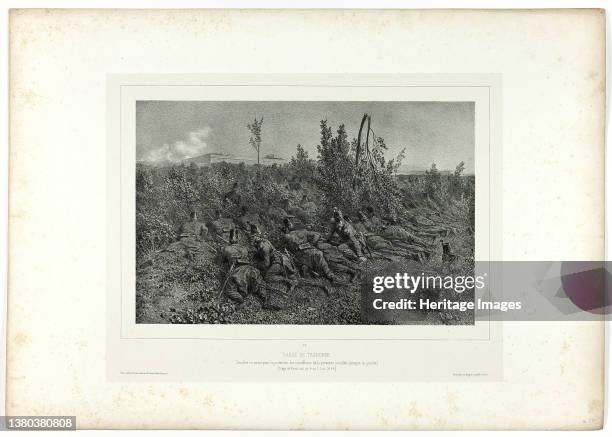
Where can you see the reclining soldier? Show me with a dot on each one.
(337, 259)
(398, 233)
(221, 226)
(400, 237)
(346, 232)
(234, 252)
(191, 240)
(274, 265)
(248, 218)
(307, 256)
(366, 233)
(244, 280)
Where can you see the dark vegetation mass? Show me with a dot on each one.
(352, 175)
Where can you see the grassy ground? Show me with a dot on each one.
(172, 288)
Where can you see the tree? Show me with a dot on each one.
(152, 229)
(377, 185)
(456, 181)
(459, 169)
(336, 168)
(301, 155)
(255, 139)
(352, 184)
(433, 180)
(302, 166)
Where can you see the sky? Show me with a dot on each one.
(431, 132)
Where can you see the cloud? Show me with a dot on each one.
(193, 145)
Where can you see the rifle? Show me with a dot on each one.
(291, 259)
(361, 239)
(229, 274)
(209, 215)
(221, 238)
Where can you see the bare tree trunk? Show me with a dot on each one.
(358, 149)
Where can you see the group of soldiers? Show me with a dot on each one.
(253, 265)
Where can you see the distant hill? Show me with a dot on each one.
(417, 170)
(211, 158)
(269, 159)
(214, 157)
(208, 158)
(410, 169)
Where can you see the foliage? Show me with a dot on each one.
(456, 179)
(166, 196)
(301, 166)
(335, 168)
(176, 289)
(255, 139)
(433, 181)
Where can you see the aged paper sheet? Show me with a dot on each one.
(67, 178)
(260, 352)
